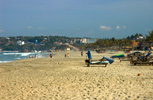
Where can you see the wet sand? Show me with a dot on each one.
(61, 78)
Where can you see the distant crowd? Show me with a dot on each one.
(51, 55)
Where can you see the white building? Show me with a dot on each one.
(85, 40)
(140, 37)
(20, 42)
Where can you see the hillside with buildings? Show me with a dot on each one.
(48, 43)
(28, 44)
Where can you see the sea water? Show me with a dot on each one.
(11, 56)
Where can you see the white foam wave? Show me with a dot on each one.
(25, 54)
(11, 53)
(4, 61)
(22, 54)
(18, 58)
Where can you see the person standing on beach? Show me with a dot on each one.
(36, 56)
(81, 53)
(51, 55)
(68, 55)
(29, 56)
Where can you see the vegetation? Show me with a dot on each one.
(56, 42)
(149, 38)
(113, 43)
(109, 43)
(32, 43)
(133, 37)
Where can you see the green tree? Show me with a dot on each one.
(149, 38)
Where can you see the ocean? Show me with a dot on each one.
(11, 56)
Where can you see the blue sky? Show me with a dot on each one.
(76, 18)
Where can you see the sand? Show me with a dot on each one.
(61, 78)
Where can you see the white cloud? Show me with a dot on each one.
(1, 31)
(117, 27)
(120, 27)
(29, 27)
(105, 27)
(124, 26)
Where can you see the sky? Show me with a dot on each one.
(76, 18)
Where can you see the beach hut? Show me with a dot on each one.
(134, 44)
(68, 49)
(143, 45)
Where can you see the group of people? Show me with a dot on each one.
(67, 55)
(34, 56)
(51, 55)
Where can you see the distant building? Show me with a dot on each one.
(58, 43)
(86, 41)
(7, 38)
(140, 37)
(20, 42)
(75, 41)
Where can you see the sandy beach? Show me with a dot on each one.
(61, 78)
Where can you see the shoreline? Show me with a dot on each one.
(13, 56)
